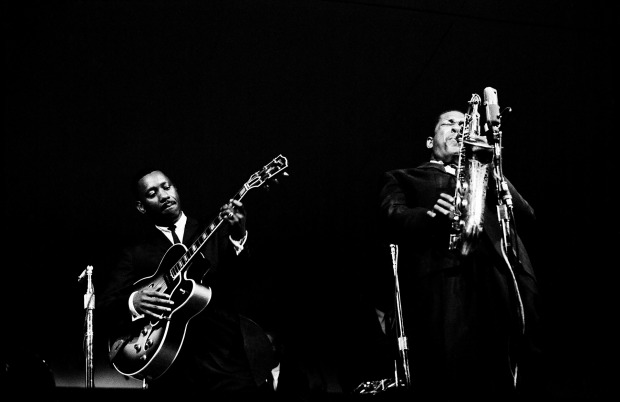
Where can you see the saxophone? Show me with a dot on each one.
(472, 176)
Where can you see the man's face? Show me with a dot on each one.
(444, 143)
(158, 198)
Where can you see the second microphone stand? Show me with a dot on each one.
(89, 306)
(403, 347)
(380, 386)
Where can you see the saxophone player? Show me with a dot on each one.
(461, 312)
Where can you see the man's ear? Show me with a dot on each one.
(429, 142)
(140, 207)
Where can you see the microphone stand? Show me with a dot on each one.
(504, 205)
(89, 306)
(376, 387)
(505, 215)
(403, 348)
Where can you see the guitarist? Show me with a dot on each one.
(222, 350)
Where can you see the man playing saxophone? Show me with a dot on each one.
(472, 318)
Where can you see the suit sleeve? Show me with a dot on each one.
(404, 204)
(113, 304)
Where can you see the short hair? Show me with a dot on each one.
(137, 176)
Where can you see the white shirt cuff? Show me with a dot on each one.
(134, 314)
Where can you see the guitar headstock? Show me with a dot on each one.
(268, 172)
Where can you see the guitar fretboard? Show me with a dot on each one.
(178, 268)
(276, 166)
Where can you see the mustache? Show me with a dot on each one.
(168, 204)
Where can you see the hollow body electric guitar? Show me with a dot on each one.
(152, 345)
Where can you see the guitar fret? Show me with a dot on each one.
(168, 281)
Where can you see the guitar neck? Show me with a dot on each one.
(276, 166)
(201, 240)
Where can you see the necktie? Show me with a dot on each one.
(175, 238)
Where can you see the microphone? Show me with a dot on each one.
(88, 270)
(492, 108)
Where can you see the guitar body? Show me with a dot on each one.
(153, 345)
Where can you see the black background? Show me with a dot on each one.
(212, 91)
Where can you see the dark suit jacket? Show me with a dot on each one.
(406, 196)
(142, 260)
(218, 326)
(460, 312)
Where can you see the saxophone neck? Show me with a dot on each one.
(473, 126)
